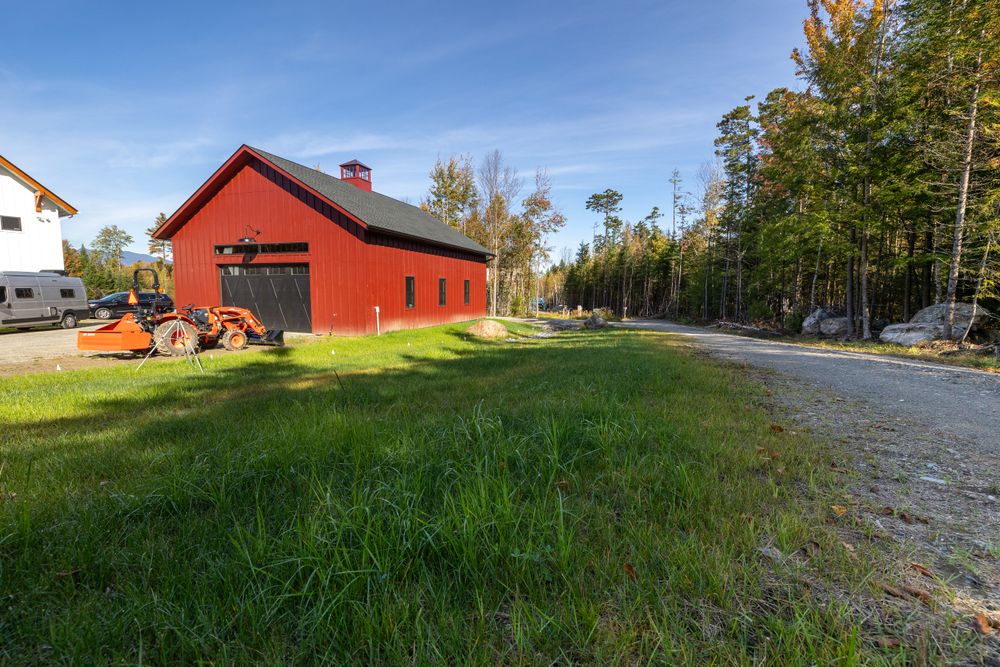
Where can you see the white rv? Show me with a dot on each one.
(32, 299)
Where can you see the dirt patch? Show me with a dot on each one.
(101, 360)
(62, 363)
(924, 499)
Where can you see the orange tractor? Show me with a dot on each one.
(176, 333)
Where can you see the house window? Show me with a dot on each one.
(67, 293)
(442, 292)
(9, 223)
(411, 295)
(466, 289)
(24, 293)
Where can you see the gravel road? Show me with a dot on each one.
(963, 402)
(40, 343)
(915, 446)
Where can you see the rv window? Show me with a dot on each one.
(9, 223)
(3, 294)
(67, 294)
(24, 293)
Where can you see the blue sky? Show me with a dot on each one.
(124, 109)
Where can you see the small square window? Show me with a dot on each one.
(411, 289)
(442, 292)
(24, 293)
(67, 293)
(9, 223)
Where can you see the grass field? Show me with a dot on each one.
(421, 497)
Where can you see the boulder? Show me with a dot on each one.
(810, 325)
(833, 326)
(488, 329)
(910, 334)
(938, 313)
(595, 321)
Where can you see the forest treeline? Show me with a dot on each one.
(874, 190)
(490, 204)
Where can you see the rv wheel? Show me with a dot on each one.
(68, 321)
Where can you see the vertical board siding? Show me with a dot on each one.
(352, 270)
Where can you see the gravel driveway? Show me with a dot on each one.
(964, 402)
(918, 446)
(40, 343)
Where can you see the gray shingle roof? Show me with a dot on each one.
(376, 210)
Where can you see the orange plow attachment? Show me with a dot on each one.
(121, 336)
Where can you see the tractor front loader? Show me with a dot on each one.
(174, 333)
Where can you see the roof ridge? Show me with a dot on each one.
(374, 208)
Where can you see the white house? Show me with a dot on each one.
(30, 227)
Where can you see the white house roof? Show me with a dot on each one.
(62, 205)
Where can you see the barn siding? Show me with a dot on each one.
(351, 269)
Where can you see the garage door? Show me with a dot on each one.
(277, 294)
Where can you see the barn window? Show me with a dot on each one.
(442, 292)
(411, 296)
(10, 223)
(24, 293)
(67, 293)
(466, 289)
(261, 248)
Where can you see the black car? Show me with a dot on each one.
(116, 305)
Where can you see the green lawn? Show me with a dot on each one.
(421, 497)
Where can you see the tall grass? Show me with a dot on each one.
(422, 497)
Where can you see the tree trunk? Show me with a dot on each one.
(850, 288)
(927, 277)
(979, 287)
(680, 275)
(963, 199)
(866, 323)
(911, 244)
(812, 290)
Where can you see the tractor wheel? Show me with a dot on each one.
(234, 340)
(174, 336)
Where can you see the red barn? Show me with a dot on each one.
(309, 252)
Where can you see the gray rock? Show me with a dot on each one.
(938, 313)
(833, 326)
(811, 325)
(595, 321)
(912, 334)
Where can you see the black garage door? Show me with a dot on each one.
(277, 294)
